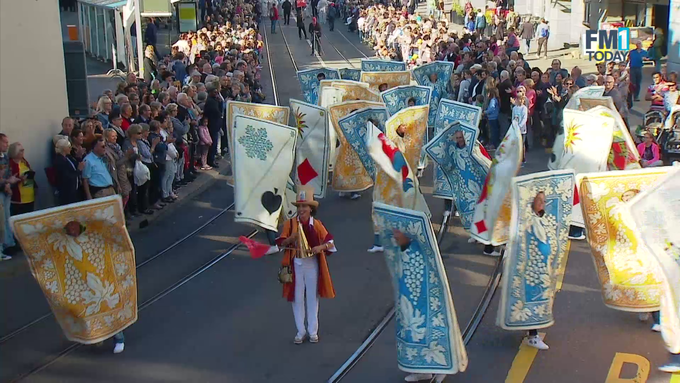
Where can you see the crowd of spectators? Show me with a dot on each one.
(151, 135)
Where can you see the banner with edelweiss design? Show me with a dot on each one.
(377, 65)
(465, 168)
(628, 275)
(313, 146)
(350, 74)
(404, 96)
(437, 76)
(83, 259)
(428, 335)
(309, 81)
(491, 220)
(448, 112)
(265, 154)
(656, 213)
(541, 209)
(278, 114)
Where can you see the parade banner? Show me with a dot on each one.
(265, 154)
(313, 146)
(354, 129)
(492, 214)
(427, 330)
(349, 173)
(278, 114)
(623, 154)
(330, 95)
(629, 279)
(356, 91)
(400, 97)
(83, 259)
(395, 182)
(453, 149)
(323, 84)
(656, 213)
(408, 129)
(350, 74)
(574, 102)
(289, 198)
(437, 76)
(377, 65)
(538, 245)
(448, 112)
(386, 80)
(309, 81)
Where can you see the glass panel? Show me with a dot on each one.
(101, 40)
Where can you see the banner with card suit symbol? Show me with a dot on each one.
(395, 182)
(278, 114)
(309, 81)
(388, 80)
(349, 172)
(330, 95)
(463, 165)
(312, 152)
(488, 225)
(265, 153)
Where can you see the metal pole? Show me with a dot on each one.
(140, 40)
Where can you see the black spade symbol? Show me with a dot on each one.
(337, 144)
(553, 157)
(271, 201)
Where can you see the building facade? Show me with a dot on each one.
(33, 97)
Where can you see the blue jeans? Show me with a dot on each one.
(8, 241)
(495, 132)
(274, 26)
(636, 78)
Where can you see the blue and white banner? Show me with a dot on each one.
(309, 82)
(350, 74)
(428, 335)
(405, 96)
(355, 130)
(541, 215)
(465, 169)
(437, 76)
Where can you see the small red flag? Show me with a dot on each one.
(257, 249)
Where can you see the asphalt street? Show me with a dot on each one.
(230, 323)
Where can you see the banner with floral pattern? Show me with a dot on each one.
(541, 210)
(378, 65)
(83, 259)
(427, 330)
(309, 81)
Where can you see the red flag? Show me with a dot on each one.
(257, 249)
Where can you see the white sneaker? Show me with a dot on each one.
(536, 342)
(418, 377)
(447, 213)
(656, 327)
(456, 213)
(375, 249)
(472, 240)
(670, 367)
(4, 257)
(119, 348)
(644, 317)
(494, 253)
(355, 196)
(342, 194)
(299, 339)
(419, 174)
(313, 339)
(272, 250)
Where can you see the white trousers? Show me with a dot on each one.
(306, 278)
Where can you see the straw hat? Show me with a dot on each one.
(305, 196)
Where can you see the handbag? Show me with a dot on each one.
(286, 272)
(141, 173)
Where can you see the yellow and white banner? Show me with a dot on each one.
(382, 81)
(629, 278)
(83, 259)
(656, 213)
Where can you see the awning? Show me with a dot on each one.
(110, 4)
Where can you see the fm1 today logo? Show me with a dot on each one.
(607, 44)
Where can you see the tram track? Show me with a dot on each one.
(467, 335)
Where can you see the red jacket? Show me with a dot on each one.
(275, 14)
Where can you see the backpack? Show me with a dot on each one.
(545, 32)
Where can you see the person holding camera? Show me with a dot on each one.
(23, 192)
